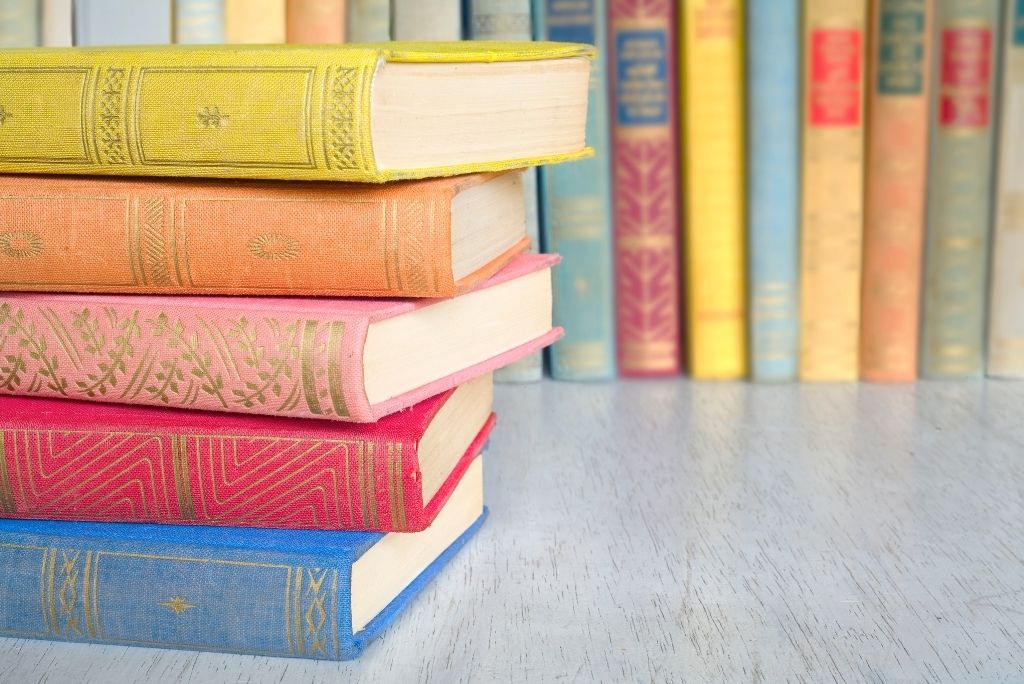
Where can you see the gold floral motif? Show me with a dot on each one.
(274, 247)
(21, 244)
(4, 115)
(177, 605)
(211, 117)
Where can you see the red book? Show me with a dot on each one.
(69, 460)
(646, 186)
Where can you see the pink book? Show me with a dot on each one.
(337, 359)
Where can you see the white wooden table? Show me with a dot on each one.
(671, 531)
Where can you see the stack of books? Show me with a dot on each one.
(243, 405)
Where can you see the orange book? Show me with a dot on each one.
(310, 22)
(432, 238)
(897, 162)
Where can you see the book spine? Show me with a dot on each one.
(316, 21)
(576, 213)
(254, 21)
(832, 183)
(897, 163)
(199, 21)
(713, 151)
(19, 23)
(369, 21)
(959, 189)
(56, 23)
(426, 19)
(642, 48)
(1006, 318)
(773, 186)
(122, 22)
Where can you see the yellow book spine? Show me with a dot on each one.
(714, 195)
(254, 21)
(832, 184)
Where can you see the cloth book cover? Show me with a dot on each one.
(201, 110)
(271, 356)
(316, 21)
(715, 193)
(642, 58)
(254, 21)
(199, 22)
(576, 210)
(57, 26)
(832, 188)
(114, 22)
(960, 183)
(426, 19)
(897, 164)
(283, 593)
(188, 236)
(369, 21)
(1006, 318)
(19, 23)
(773, 186)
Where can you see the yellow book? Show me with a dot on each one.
(832, 184)
(254, 21)
(712, 150)
(368, 113)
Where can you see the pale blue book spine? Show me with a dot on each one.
(122, 22)
(369, 21)
(19, 23)
(199, 22)
(773, 115)
(576, 212)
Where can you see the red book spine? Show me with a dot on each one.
(646, 186)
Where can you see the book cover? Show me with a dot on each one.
(1006, 317)
(773, 187)
(714, 194)
(960, 181)
(271, 356)
(121, 22)
(369, 21)
(199, 22)
(897, 162)
(186, 236)
(642, 56)
(202, 110)
(832, 181)
(19, 23)
(254, 21)
(316, 21)
(576, 210)
(57, 26)
(426, 19)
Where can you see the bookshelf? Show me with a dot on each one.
(678, 531)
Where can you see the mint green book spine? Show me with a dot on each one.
(199, 21)
(369, 21)
(19, 23)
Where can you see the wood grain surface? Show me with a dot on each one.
(679, 532)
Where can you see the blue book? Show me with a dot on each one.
(773, 186)
(291, 593)
(576, 211)
(199, 21)
(122, 22)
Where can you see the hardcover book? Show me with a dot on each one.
(435, 238)
(285, 593)
(316, 21)
(338, 359)
(63, 460)
(254, 21)
(112, 22)
(714, 195)
(19, 23)
(1006, 317)
(832, 188)
(576, 211)
(773, 187)
(199, 21)
(426, 19)
(960, 176)
(897, 163)
(642, 54)
(369, 21)
(321, 112)
(57, 27)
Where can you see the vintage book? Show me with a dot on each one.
(434, 238)
(960, 176)
(254, 21)
(897, 164)
(426, 19)
(832, 181)
(369, 21)
(109, 22)
(773, 187)
(316, 21)
(56, 23)
(714, 195)
(576, 211)
(62, 460)
(1006, 316)
(320, 112)
(19, 23)
(287, 593)
(338, 359)
(642, 56)
(199, 22)
(510, 20)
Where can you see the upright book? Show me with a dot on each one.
(116, 22)
(426, 19)
(294, 112)
(773, 186)
(642, 54)
(56, 23)
(199, 22)
(286, 593)
(960, 178)
(832, 183)
(19, 23)
(316, 21)
(254, 21)
(1006, 317)
(714, 195)
(369, 21)
(576, 211)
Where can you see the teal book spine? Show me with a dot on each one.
(960, 176)
(576, 210)
(122, 22)
(773, 186)
(369, 21)
(199, 22)
(19, 23)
